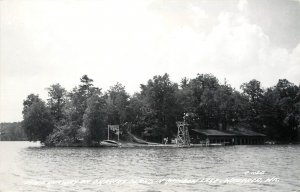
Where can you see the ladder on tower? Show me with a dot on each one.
(183, 137)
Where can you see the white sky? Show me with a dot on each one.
(57, 41)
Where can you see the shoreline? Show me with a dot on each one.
(156, 145)
(140, 145)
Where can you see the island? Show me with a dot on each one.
(212, 112)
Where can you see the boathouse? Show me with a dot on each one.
(233, 137)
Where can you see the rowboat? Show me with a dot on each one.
(110, 143)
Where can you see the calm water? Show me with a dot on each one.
(27, 166)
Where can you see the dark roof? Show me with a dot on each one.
(246, 132)
(212, 132)
(237, 132)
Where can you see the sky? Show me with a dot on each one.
(44, 42)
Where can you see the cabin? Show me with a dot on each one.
(230, 137)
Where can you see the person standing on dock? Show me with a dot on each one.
(166, 140)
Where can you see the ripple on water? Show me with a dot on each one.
(144, 169)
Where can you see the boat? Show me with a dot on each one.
(110, 143)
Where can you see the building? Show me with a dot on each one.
(233, 137)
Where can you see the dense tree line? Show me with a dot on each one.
(12, 132)
(82, 115)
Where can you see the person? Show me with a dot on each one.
(207, 141)
(166, 140)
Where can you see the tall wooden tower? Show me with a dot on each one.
(183, 137)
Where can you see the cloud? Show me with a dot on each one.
(234, 49)
(294, 65)
(130, 43)
(242, 5)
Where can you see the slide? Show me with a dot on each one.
(138, 140)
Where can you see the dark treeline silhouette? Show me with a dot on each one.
(82, 115)
(12, 132)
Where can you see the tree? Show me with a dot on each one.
(37, 123)
(12, 132)
(202, 105)
(85, 112)
(281, 111)
(32, 98)
(94, 119)
(78, 99)
(254, 93)
(117, 102)
(210, 105)
(137, 114)
(229, 107)
(159, 96)
(86, 88)
(57, 101)
(184, 96)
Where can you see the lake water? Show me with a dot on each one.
(26, 166)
